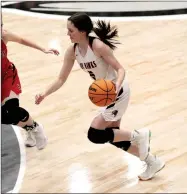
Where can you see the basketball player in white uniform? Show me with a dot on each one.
(95, 56)
(97, 68)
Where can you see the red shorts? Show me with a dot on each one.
(10, 82)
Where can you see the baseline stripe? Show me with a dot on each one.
(59, 17)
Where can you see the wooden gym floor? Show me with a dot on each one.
(154, 56)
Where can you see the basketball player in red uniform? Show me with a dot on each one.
(12, 113)
(99, 52)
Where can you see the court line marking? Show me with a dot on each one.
(8, 3)
(58, 17)
(23, 160)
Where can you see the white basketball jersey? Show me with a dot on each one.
(95, 66)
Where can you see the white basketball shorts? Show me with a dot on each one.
(115, 111)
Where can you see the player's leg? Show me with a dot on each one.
(127, 146)
(97, 134)
(11, 88)
(137, 138)
(16, 115)
(13, 114)
(136, 142)
(6, 117)
(102, 132)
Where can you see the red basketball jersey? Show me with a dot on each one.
(4, 60)
(9, 76)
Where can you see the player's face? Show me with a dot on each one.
(74, 34)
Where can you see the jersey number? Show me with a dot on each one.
(92, 75)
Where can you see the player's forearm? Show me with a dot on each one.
(54, 87)
(121, 76)
(31, 44)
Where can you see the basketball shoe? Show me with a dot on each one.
(39, 135)
(30, 140)
(154, 165)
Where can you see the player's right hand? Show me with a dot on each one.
(39, 98)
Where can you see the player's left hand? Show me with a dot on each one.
(51, 51)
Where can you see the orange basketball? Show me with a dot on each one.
(102, 92)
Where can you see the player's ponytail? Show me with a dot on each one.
(106, 33)
(103, 30)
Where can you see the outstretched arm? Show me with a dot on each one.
(69, 60)
(9, 36)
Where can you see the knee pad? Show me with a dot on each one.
(14, 102)
(124, 145)
(12, 113)
(100, 136)
(23, 114)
